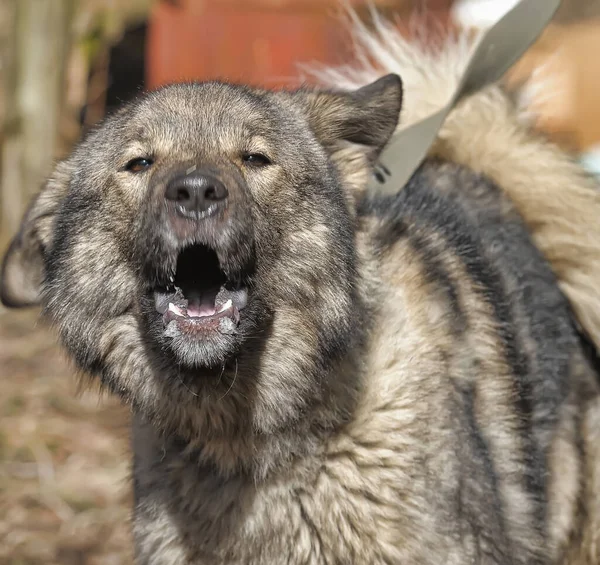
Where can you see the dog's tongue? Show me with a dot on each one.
(197, 309)
(202, 303)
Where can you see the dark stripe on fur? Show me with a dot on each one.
(434, 271)
(483, 515)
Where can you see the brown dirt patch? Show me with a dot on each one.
(64, 461)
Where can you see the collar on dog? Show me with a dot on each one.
(496, 51)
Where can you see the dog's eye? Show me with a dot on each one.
(256, 159)
(138, 165)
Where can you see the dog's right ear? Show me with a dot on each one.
(22, 271)
(365, 118)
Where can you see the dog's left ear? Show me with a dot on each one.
(354, 127)
(366, 117)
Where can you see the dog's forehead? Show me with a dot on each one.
(204, 112)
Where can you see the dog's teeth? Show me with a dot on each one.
(175, 309)
(227, 304)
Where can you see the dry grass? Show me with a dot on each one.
(64, 463)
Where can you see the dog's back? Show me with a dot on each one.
(559, 205)
(508, 387)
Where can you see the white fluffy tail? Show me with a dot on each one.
(558, 200)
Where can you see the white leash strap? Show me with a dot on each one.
(496, 51)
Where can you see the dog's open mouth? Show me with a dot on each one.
(200, 297)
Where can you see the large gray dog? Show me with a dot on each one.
(319, 375)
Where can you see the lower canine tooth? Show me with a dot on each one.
(225, 306)
(175, 309)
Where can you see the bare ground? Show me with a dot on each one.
(64, 463)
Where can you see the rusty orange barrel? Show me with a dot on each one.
(251, 41)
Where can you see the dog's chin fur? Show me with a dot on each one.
(487, 133)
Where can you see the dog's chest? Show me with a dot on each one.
(338, 510)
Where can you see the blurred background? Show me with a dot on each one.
(64, 492)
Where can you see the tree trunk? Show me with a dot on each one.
(34, 76)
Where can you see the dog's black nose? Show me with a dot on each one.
(196, 192)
